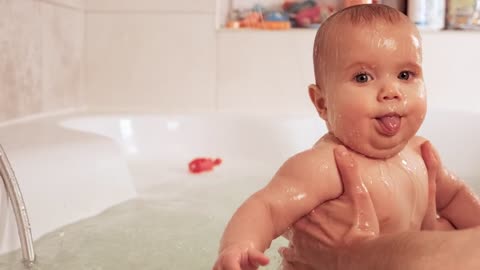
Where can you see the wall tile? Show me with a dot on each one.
(152, 5)
(451, 69)
(139, 61)
(62, 62)
(77, 4)
(264, 71)
(20, 58)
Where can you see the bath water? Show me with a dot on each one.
(175, 225)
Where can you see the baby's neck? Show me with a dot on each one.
(332, 139)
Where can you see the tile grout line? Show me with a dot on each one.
(50, 2)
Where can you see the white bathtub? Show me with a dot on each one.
(76, 166)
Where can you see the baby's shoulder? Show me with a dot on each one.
(415, 144)
(319, 158)
(322, 150)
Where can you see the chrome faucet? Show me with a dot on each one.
(19, 209)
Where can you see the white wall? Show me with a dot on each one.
(168, 57)
(270, 71)
(264, 71)
(451, 69)
(151, 55)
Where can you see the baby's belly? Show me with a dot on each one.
(399, 198)
(399, 209)
(394, 217)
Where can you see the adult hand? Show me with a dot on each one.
(307, 250)
(348, 219)
(432, 221)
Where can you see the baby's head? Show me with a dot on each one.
(369, 82)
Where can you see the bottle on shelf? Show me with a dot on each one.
(427, 14)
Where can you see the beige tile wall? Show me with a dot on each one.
(166, 56)
(41, 56)
(151, 55)
(177, 6)
(264, 71)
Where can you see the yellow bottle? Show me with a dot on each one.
(462, 14)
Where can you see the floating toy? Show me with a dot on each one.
(199, 165)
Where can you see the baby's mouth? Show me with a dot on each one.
(389, 124)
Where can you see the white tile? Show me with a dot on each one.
(20, 58)
(264, 71)
(451, 69)
(151, 61)
(78, 4)
(152, 5)
(63, 56)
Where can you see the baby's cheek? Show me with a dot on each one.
(347, 123)
(417, 109)
(416, 95)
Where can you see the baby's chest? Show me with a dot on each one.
(399, 192)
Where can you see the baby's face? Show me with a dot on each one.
(374, 91)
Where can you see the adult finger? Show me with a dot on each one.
(289, 254)
(429, 157)
(432, 221)
(366, 222)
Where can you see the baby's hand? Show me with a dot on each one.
(238, 258)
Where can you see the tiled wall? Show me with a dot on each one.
(151, 55)
(167, 56)
(264, 71)
(41, 56)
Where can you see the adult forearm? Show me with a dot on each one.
(385, 252)
(463, 198)
(416, 250)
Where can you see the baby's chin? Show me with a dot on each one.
(379, 153)
(376, 152)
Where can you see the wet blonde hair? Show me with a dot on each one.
(368, 14)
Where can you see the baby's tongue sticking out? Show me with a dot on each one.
(389, 125)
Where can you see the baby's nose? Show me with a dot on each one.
(389, 94)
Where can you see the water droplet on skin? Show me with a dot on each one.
(299, 197)
(324, 166)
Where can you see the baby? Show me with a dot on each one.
(370, 92)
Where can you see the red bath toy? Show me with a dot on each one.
(199, 165)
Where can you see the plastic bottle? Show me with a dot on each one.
(463, 14)
(427, 14)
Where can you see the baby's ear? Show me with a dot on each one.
(317, 96)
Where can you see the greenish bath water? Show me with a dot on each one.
(175, 225)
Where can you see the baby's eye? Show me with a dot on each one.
(362, 78)
(404, 75)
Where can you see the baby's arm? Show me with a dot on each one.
(303, 182)
(455, 201)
